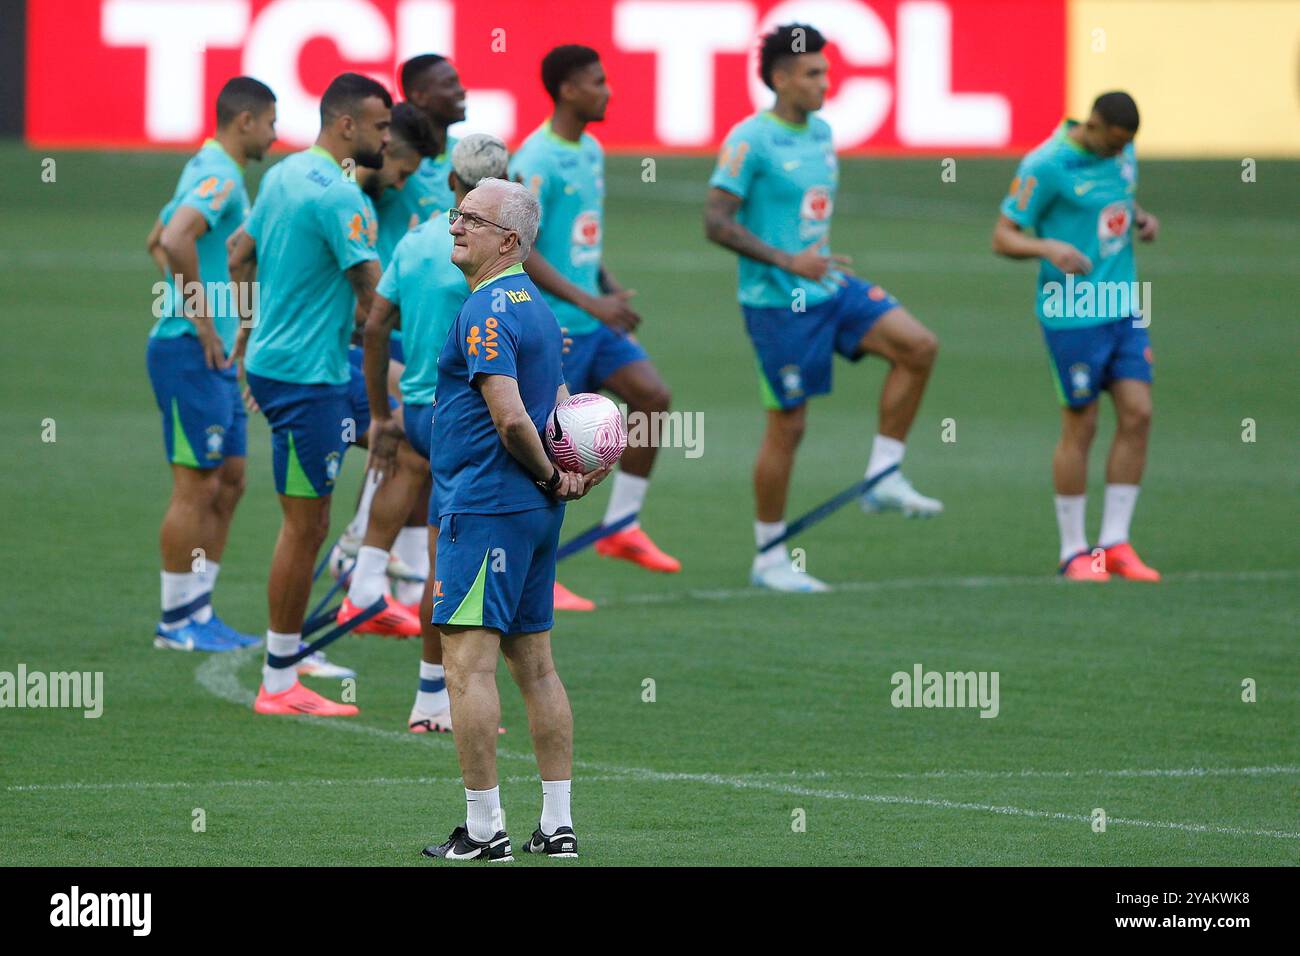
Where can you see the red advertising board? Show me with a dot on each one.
(907, 75)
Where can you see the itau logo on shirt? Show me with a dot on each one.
(585, 239)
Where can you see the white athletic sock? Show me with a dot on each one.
(431, 698)
(483, 813)
(208, 580)
(369, 577)
(626, 498)
(279, 679)
(1069, 519)
(885, 452)
(361, 520)
(178, 590)
(412, 547)
(765, 531)
(1117, 514)
(555, 805)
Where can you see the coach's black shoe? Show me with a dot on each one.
(459, 846)
(561, 844)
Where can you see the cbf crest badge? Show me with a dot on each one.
(1080, 380)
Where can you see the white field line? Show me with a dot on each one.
(913, 584)
(1135, 772)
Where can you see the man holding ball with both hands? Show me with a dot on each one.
(500, 507)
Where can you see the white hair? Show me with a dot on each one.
(478, 157)
(519, 210)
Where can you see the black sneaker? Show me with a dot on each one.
(459, 846)
(561, 844)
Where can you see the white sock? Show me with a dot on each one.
(369, 576)
(178, 590)
(361, 520)
(1069, 519)
(208, 578)
(434, 699)
(765, 531)
(279, 679)
(483, 816)
(1117, 514)
(412, 547)
(626, 498)
(555, 805)
(885, 452)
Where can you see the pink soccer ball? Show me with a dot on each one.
(585, 432)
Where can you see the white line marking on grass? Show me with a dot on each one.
(218, 674)
(914, 584)
(226, 784)
(1170, 772)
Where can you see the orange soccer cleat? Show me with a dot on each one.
(566, 600)
(1123, 561)
(300, 700)
(396, 620)
(1080, 568)
(633, 544)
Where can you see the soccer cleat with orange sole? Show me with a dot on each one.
(1080, 568)
(566, 600)
(300, 700)
(1122, 561)
(633, 544)
(395, 620)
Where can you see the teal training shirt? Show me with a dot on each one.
(425, 194)
(422, 281)
(786, 177)
(213, 183)
(1063, 191)
(311, 224)
(568, 180)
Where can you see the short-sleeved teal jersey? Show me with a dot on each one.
(1063, 191)
(311, 224)
(786, 177)
(213, 183)
(422, 281)
(425, 193)
(568, 180)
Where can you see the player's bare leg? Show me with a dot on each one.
(231, 483)
(1124, 467)
(910, 349)
(303, 529)
(550, 722)
(772, 472)
(1070, 479)
(389, 509)
(639, 385)
(188, 540)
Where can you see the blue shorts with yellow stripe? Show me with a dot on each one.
(310, 427)
(498, 570)
(203, 415)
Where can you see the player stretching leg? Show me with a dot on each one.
(500, 501)
(204, 421)
(770, 200)
(564, 166)
(424, 288)
(312, 236)
(1078, 193)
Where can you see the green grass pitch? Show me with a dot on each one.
(768, 710)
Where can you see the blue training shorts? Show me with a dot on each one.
(417, 420)
(594, 356)
(1086, 360)
(498, 570)
(795, 348)
(309, 428)
(203, 416)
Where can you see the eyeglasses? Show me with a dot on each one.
(472, 221)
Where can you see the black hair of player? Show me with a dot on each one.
(413, 128)
(786, 41)
(562, 62)
(415, 67)
(242, 94)
(1117, 109)
(345, 94)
